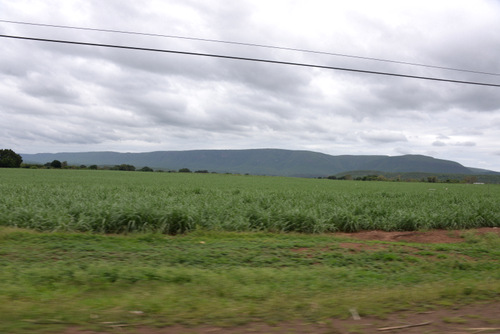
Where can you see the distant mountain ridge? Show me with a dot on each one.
(276, 162)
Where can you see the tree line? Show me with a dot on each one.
(10, 159)
(56, 164)
(429, 179)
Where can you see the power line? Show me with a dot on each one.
(250, 59)
(253, 45)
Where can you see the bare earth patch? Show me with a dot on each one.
(434, 236)
(355, 247)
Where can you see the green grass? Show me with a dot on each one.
(230, 249)
(122, 202)
(55, 280)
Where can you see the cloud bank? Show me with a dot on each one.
(56, 97)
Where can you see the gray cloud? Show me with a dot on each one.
(383, 137)
(62, 97)
(438, 143)
(53, 90)
(441, 137)
(466, 143)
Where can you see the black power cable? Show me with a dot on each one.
(253, 45)
(250, 59)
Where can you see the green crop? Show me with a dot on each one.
(174, 203)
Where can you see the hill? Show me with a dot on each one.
(261, 162)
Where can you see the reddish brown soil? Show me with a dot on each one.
(477, 318)
(434, 236)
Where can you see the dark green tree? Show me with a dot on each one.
(184, 170)
(125, 167)
(56, 164)
(432, 179)
(470, 179)
(10, 159)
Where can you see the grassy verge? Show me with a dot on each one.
(63, 279)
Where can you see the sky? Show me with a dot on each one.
(72, 98)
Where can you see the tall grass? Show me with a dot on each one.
(123, 202)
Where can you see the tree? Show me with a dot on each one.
(10, 159)
(146, 169)
(56, 164)
(432, 179)
(184, 170)
(470, 179)
(125, 167)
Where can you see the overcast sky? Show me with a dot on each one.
(71, 98)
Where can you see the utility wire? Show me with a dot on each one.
(250, 59)
(251, 44)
